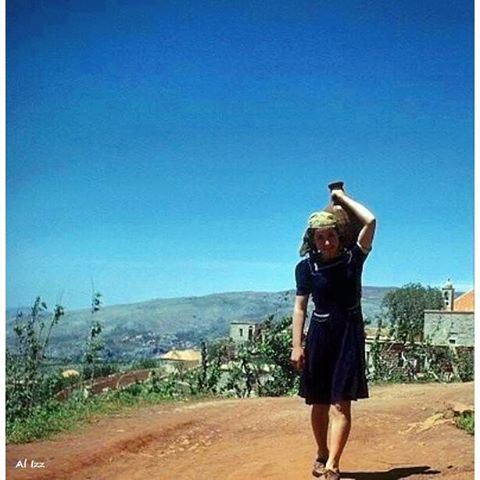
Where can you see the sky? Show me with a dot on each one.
(163, 149)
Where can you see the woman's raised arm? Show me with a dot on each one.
(365, 237)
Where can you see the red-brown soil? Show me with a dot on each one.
(395, 435)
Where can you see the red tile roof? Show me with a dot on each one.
(465, 302)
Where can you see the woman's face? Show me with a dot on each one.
(327, 242)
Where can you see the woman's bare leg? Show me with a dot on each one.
(319, 418)
(341, 424)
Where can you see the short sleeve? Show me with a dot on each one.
(303, 278)
(358, 255)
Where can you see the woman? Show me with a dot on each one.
(332, 362)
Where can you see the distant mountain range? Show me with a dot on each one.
(146, 329)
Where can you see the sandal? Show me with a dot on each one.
(330, 474)
(319, 466)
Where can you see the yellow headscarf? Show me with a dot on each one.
(316, 220)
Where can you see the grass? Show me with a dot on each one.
(466, 421)
(53, 416)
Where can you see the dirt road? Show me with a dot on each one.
(395, 435)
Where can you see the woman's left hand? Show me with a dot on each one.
(337, 194)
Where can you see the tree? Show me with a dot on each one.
(276, 350)
(94, 342)
(25, 379)
(405, 310)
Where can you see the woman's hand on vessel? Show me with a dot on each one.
(337, 194)
(298, 357)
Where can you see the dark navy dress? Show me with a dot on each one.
(334, 368)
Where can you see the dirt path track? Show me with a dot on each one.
(395, 435)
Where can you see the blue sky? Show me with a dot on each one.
(177, 148)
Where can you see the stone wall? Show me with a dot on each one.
(449, 328)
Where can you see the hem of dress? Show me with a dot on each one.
(325, 401)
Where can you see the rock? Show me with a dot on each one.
(458, 408)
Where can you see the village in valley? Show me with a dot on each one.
(450, 328)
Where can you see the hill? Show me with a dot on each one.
(146, 329)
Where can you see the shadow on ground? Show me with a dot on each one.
(392, 474)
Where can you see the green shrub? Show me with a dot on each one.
(465, 364)
(25, 383)
(276, 351)
(144, 363)
(90, 371)
(466, 421)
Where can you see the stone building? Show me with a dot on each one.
(454, 325)
(242, 331)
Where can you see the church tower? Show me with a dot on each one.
(447, 293)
